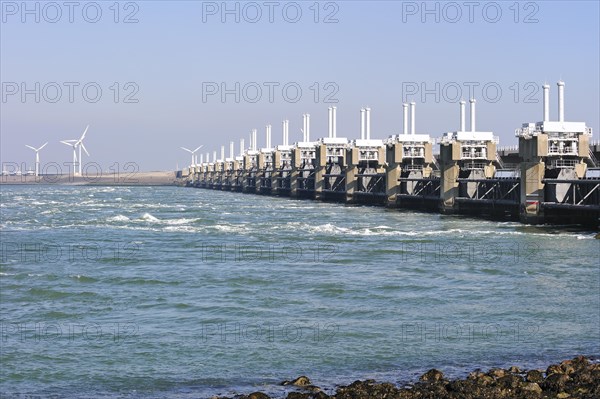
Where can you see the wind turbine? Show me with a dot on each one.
(194, 159)
(37, 157)
(77, 144)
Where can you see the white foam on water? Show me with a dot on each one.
(119, 218)
(149, 218)
(180, 221)
(181, 229)
(229, 228)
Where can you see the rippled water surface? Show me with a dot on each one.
(174, 292)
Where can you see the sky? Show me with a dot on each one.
(151, 76)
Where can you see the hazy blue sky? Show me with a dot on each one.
(368, 54)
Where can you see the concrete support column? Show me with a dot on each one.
(532, 192)
(392, 173)
(351, 172)
(533, 169)
(234, 172)
(449, 156)
(246, 172)
(260, 173)
(320, 170)
(294, 173)
(276, 173)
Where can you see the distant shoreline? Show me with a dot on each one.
(125, 179)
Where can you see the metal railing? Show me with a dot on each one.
(579, 193)
(563, 163)
(504, 190)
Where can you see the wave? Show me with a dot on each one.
(149, 218)
(119, 218)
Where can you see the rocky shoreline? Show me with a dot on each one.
(576, 379)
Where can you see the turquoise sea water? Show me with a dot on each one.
(177, 293)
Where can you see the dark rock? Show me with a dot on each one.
(510, 381)
(367, 389)
(534, 376)
(475, 375)
(571, 379)
(432, 375)
(531, 387)
(312, 388)
(514, 370)
(299, 382)
(298, 395)
(257, 395)
(496, 373)
(555, 382)
(554, 369)
(567, 368)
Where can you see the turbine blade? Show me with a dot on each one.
(183, 148)
(198, 148)
(43, 146)
(30, 147)
(84, 132)
(67, 142)
(84, 149)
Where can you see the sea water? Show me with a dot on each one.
(178, 292)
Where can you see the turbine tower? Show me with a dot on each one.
(77, 144)
(37, 157)
(194, 158)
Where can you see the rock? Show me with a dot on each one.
(555, 382)
(554, 369)
(299, 382)
(534, 376)
(514, 370)
(531, 387)
(258, 395)
(298, 395)
(579, 363)
(567, 368)
(475, 375)
(432, 375)
(496, 373)
(312, 388)
(510, 381)
(367, 389)
(597, 236)
(571, 379)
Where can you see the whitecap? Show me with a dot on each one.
(229, 228)
(119, 218)
(180, 221)
(149, 218)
